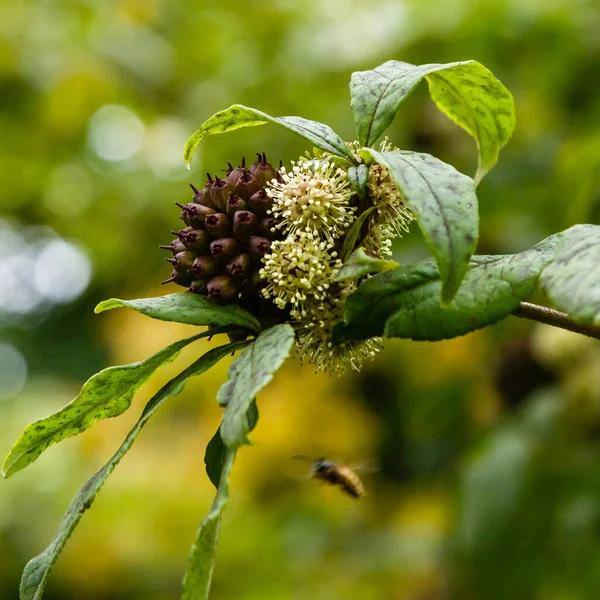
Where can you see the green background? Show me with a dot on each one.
(487, 446)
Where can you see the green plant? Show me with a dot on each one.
(318, 275)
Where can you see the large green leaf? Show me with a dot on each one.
(465, 91)
(38, 568)
(444, 204)
(405, 302)
(572, 280)
(201, 561)
(251, 372)
(192, 309)
(106, 394)
(238, 116)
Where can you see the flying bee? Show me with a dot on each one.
(336, 474)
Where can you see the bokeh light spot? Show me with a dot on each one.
(162, 149)
(115, 133)
(13, 371)
(70, 191)
(61, 271)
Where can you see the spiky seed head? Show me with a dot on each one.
(222, 288)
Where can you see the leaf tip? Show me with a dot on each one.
(8, 467)
(107, 305)
(447, 295)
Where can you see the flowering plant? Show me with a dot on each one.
(278, 258)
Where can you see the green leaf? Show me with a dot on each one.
(404, 302)
(192, 309)
(353, 233)
(38, 568)
(106, 394)
(358, 177)
(251, 372)
(214, 458)
(252, 416)
(216, 450)
(444, 204)
(465, 91)
(572, 280)
(476, 101)
(201, 561)
(238, 116)
(360, 264)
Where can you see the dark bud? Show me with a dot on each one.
(218, 225)
(233, 175)
(244, 224)
(194, 214)
(234, 204)
(225, 248)
(198, 241)
(222, 288)
(200, 196)
(184, 279)
(182, 233)
(219, 192)
(175, 247)
(198, 286)
(239, 267)
(182, 261)
(258, 247)
(204, 267)
(260, 203)
(263, 171)
(266, 228)
(246, 185)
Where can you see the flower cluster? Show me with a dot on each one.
(391, 215)
(313, 197)
(314, 206)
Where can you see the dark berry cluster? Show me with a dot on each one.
(229, 230)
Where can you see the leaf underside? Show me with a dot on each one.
(466, 92)
(201, 560)
(36, 571)
(445, 207)
(572, 280)
(248, 374)
(216, 450)
(237, 116)
(188, 308)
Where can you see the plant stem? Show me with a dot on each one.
(549, 316)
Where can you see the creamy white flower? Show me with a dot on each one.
(391, 216)
(298, 270)
(315, 339)
(313, 196)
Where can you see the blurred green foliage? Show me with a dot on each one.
(489, 445)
